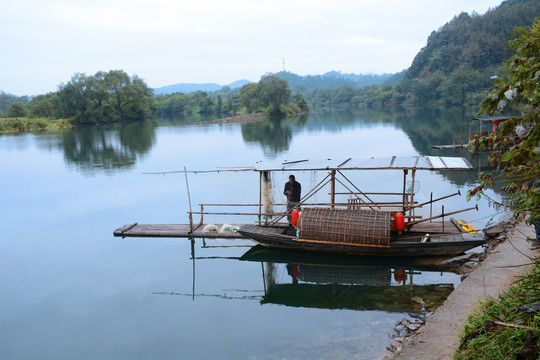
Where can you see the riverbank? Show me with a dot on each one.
(24, 124)
(504, 265)
(256, 117)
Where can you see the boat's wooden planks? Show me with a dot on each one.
(172, 230)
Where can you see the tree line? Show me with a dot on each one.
(105, 97)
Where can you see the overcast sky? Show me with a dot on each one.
(43, 43)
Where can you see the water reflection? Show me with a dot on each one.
(99, 148)
(354, 283)
(273, 135)
(106, 149)
(326, 281)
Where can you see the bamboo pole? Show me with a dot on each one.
(260, 195)
(360, 191)
(411, 197)
(362, 202)
(404, 189)
(189, 199)
(333, 187)
(438, 216)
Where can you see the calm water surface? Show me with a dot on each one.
(72, 290)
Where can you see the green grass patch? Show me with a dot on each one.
(23, 125)
(507, 327)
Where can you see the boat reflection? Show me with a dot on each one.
(336, 282)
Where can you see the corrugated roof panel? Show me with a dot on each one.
(436, 162)
(455, 162)
(405, 162)
(394, 162)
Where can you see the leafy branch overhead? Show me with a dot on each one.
(515, 145)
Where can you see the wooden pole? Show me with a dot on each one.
(333, 188)
(431, 205)
(404, 190)
(357, 189)
(189, 199)
(260, 195)
(411, 199)
(438, 216)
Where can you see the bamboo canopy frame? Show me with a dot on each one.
(336, 169)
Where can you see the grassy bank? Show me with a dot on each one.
(23, 125)
(507, 327)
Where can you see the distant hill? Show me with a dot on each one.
(192, 87)
(336, 79)
(461, 56)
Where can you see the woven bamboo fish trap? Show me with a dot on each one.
(346, 226)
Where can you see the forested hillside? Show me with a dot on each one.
(455, 67)
(332, 80)
(462, 56)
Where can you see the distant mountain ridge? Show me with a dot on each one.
(192, 87)
(331, 80)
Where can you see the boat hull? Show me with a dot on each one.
(450, 244)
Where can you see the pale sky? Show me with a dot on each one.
(44, 42)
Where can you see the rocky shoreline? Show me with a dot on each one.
(434, 335)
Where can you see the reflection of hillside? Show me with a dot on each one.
(434, 126)
(274, 136)
(100, 149)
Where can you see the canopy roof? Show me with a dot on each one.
(383, 163)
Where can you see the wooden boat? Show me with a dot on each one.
(405, 244)
(351, 222)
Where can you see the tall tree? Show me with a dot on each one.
(515, 146)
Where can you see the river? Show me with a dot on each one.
(70, 290)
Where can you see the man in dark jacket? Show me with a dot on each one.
(293, 192)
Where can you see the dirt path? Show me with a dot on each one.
(439, 337)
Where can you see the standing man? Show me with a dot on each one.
(293, 192)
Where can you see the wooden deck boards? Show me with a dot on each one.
(183, 230)
(171, 230)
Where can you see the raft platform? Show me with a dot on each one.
(184, 231)
(173, 230)
(452, 146)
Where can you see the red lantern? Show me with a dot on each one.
(399, 221)
(295, 214)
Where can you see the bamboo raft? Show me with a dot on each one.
(172, 230)
(184, 231)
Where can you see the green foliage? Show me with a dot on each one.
(106, 97)
(301, 102)
(22, 125)
(198, 102)
(487, 336)
(43, 105)
(334, 79)
(515, 146)
(17, 109)
(7, 99)
(270, 95)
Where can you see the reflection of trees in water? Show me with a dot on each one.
(99, 149)
(274, 136)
